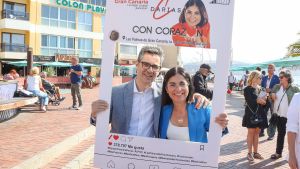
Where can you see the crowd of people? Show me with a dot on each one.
(276, 96)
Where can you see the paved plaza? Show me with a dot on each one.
(63, 138)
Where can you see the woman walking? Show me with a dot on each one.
(254, 110)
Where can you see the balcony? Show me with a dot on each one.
(9, 14)
(9, 47)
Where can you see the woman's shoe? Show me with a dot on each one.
(257, 156)
(276, 156)
(250, 157)
(43, 108)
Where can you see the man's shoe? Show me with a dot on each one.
(261, 134)
(79, 107)
(270, 138)
(73, 107)
(61, 99)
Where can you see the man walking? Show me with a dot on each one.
(200, 81)
(268, 82)
(76, 79)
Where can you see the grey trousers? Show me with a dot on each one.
(76, 91)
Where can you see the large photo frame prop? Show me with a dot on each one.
(158, 22)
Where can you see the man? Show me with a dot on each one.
(76, 79)
(136, 105)
(268, 82)
(200, 82)
(231, 81)
(55, 90)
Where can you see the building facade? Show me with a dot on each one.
(51, 27)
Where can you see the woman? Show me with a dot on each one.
(12, 75)
(293, 131)
(255, 106)
(180, 120)
(33, 83)
(193, 28)
(282, 95)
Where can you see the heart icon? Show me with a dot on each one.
(110, 143)
(116, 137)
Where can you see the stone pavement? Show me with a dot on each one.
(32, 132)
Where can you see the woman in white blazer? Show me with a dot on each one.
(293, 131)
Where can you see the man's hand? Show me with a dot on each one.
(222, 120)
(98, 106)
(293, 161)
(201, 100)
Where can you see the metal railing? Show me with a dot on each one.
(10, 47)
(18, 15)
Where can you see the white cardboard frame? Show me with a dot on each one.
(122, 151)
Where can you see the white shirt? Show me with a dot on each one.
(33, 83)
(269, 81)
(293, 119)
(231, 79)
(284, 105)
(142, 120)
(178, 133)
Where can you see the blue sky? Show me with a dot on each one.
(263, 29)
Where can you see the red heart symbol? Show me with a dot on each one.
(116, 137)
(110, 143)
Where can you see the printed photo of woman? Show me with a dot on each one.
(193, 29)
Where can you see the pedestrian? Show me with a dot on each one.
(255, 107)
(282, 95)
(245, 78)
(268, 82)
(33, 83)
(258, 69)
(12, 75)
(138, 98)
(231, 81)
(200, 81)
(76, 81)
(293, 131)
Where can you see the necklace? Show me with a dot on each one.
(180, 121)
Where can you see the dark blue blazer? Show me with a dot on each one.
(274, 81)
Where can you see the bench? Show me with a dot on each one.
(9, 108)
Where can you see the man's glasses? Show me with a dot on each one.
(147, 65)
(281, 77)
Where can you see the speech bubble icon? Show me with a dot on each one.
(123, 37)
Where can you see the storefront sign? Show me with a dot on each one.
(64, 57)
(81, 6)
(41, 58)
(184, 23)
(96, 61)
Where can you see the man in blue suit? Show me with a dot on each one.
(268, 82)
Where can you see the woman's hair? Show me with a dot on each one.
(172, 72)
(287, 74)
(253, 75)
(35, 71)
(202, 9)
(13, 71)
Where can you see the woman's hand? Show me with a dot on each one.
(98, 106)
(222, 120)
(201, 101)
(293, 161)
